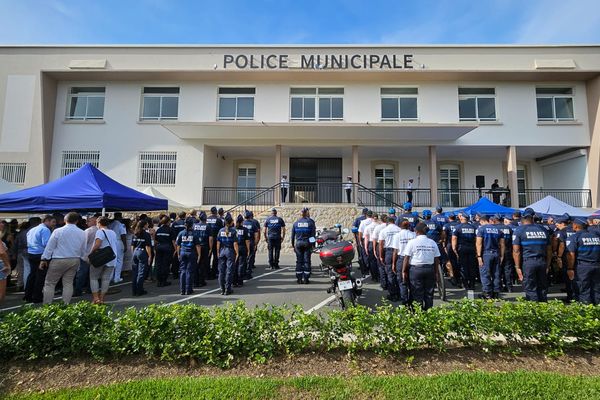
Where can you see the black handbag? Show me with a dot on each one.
(102, 256)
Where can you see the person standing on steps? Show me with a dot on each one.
(274, 233)
(409, 191)
(228, 250)
(348, 189)
(284, 186)
(303, 235)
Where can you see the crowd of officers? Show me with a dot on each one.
(497, 251)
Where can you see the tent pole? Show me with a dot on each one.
(103, 211)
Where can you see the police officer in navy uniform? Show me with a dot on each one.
(562, 235)
(450, 257)
(507, 265)
(274, 234)
(201, 230)
(463, 246)
(187, 248)
(303, 235)
(215, 223)
(490, 250)
(253, 228)
(221, 213)
(408, 215)
(532, 252)
(241, 264)
(178, 225)
(165, 248)
(516, 219)
(584, 262)
(359, 247)
(228, 250)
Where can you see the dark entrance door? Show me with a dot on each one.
(316, 180)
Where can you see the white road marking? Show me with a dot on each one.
(59, 297)
(188, 298)
(321, 304)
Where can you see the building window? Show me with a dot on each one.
(554, 104)
(399, 104)
(522, 185)
(236, 104)
(477, 104)
(449, 189)
(311, 104)
(73, 160)
(13, 172)
(157, 168)
(85, 103)
(160, 103)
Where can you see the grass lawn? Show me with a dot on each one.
(459, 385)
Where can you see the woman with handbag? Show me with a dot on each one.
(100, 271)
(141, 245)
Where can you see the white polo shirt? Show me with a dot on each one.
(421, 250)
(401, 239)
(377, 231)
(388, 234)
(363, 224)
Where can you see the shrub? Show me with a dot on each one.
(222, 335)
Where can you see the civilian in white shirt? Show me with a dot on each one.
(369, 250)
(348, 188)
(386, 254)
(400, 241)
(61, 257)
(375, 244)
(82, 278)
(119, 229)
(420, 267)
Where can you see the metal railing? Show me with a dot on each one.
(316, 192)
(466, 197)
(232, 195)
(375, 199)
(397, 196)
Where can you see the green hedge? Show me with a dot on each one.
(221, 335)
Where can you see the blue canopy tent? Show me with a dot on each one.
(487, 207)
(552, 206)
(86, 189)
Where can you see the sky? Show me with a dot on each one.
(299, 22)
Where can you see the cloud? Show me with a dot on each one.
(556, 21)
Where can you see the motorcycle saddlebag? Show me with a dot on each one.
(337, 253)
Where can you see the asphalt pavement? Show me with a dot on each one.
(276, 287)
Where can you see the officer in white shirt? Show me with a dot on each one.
(375, 241)
(420, 266)
(369, 250)
(119, 229)
(65, 249)
(400, 241)
(386, 255)
(348, 189)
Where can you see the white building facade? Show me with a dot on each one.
(221, 125)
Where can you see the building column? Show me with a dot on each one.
(277, 173)
(593, 159)
(511, 164)
(354, 171)
(433, 175)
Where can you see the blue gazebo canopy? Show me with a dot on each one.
(87, 189)
(487, 207)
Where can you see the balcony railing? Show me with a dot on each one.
(381, 199)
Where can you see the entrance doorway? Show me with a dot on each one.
(316, 180)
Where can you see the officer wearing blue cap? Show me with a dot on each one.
(563, 233)
(215, 223)
(187, 242)
(463, 246)
(253, 227)
(274, 234)
(451, 262)
(408, 215)
(201, 231)
(178, 225)
(240, 267)
(490, 250)
(584, 262)
(532, 252)
(228, 250)
(303, 236)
